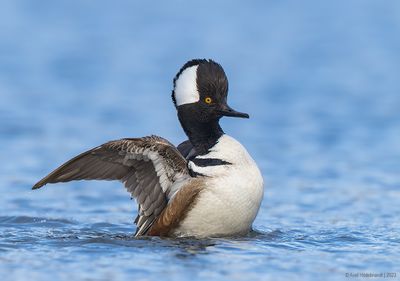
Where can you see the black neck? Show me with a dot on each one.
(202, 135)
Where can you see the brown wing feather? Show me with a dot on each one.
(147, 166)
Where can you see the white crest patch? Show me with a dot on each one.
(186, 87)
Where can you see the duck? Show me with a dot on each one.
(207, 186)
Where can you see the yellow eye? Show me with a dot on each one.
(208, 100)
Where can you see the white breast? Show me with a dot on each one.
(232, 196)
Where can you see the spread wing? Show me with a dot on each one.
(147, 166)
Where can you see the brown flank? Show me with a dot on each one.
(176, 211)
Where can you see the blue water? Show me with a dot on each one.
(321, 81)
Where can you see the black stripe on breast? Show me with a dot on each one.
(195, 174)
(206, 162)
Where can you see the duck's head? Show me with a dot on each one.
(200, 92)
(200, 96)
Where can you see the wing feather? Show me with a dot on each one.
(148, 167)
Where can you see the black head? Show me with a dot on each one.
(201, 87)
(200, 96)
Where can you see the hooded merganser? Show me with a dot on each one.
(208, 186)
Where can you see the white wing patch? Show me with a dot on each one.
(186, 87)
